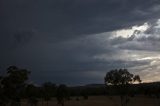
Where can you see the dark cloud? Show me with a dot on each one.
(69, 41)
(67, 19)
(23, 37)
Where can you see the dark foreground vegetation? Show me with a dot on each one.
(15, 88)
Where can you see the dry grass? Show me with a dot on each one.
(103, 101)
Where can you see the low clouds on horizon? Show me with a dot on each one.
(77, 42)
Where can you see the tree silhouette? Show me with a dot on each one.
(137, 78)
(14, 83)
(121, 79)
(84, 94)
(31, 93)
(62, 94)
(48, 91)
(3, 98)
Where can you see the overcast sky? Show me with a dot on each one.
(78, 41)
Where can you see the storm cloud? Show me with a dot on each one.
(77, 42)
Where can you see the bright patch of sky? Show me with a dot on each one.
(158, 24)
(125, 33)
(143, 48)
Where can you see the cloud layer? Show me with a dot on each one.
(77, 42)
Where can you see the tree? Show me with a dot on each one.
(84, 94)
(3, 98)
(31, 93)
(62, 94)
(137, 78)
(14, 83)
(48, 91)
(121, 79)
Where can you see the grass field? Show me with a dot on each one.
(103, 101)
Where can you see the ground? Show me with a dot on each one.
(103, 101)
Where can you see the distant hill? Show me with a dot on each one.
(95, 85)
(100, 89)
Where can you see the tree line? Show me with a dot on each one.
(14, 86)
